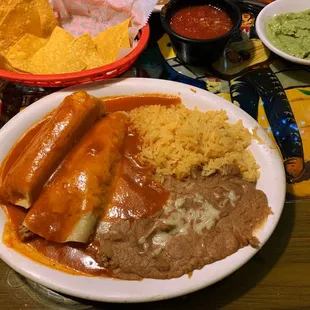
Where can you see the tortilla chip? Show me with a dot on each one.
(84, 48)
(25, 48)
(21, 19)
(47, 17)
(54, 56)
(126, 41)
(69, 64)
(6, 7)
(110, 41)
(3, 12)
(2, 61)
(36, 68)
(8, 66)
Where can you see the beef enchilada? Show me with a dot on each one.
(22, 184)
(76, 195)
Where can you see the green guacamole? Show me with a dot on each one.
(291, 33)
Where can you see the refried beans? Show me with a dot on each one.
(206, 219)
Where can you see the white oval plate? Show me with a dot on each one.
(273, 9)
(271, 181)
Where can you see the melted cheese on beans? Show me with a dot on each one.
(181, 219)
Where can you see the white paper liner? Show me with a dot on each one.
(94, 16)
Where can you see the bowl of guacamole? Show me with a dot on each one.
(284, 28)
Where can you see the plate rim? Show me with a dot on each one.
(6, 253)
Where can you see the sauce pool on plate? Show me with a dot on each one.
(201, 22)
(146, 197)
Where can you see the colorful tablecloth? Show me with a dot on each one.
(273, 91)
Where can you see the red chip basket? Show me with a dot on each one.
(62, 80)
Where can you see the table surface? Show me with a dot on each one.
(278, 277)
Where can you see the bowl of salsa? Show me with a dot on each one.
(200, 29)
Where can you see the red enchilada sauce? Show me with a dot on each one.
(201, 22)
(145, 198)
(136, 195)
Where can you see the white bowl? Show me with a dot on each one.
(276, 8)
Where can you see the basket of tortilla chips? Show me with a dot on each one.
(55, 43)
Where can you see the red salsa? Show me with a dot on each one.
(201, 22)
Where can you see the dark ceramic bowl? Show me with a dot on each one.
(196, 51)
